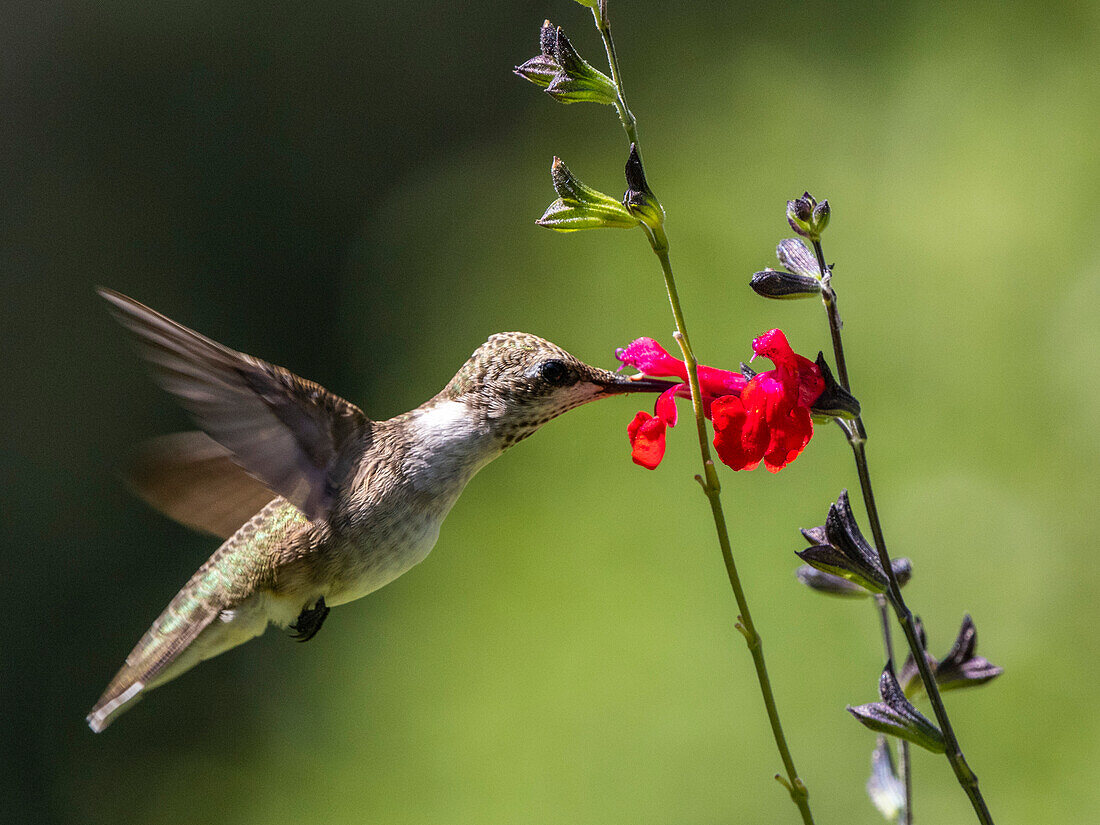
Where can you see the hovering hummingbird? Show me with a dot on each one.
(318, 504)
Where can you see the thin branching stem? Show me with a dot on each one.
(603, 24)
(712, 488)
(857, 439)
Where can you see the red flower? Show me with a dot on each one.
(647, 432)
(766, 418)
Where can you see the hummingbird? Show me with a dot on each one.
(317, 504)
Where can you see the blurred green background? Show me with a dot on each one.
(349, 189)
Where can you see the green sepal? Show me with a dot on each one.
(581, 207)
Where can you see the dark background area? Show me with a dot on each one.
(349, 189)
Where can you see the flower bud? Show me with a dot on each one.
(582, 207)
(807, 217)
(896, 716)
(821, 216)
(794, 255)
(775, 283)
(884, 786)
(832, 585)
(834, 401)
(909, 676)
(847, 553)
(960, 668)
(563, 73)
(639, 199)
(541, 68)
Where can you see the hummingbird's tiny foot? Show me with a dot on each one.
(310, 621)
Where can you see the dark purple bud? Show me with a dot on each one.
(834, 401)
(542, 68)
(909, 676)
(962, 666)
(563, 73)
(896, 716)
(847, 553)
(807, 217)
(639, 199)
(776, 283)
(548, 38)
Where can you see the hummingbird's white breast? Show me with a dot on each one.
(393, 519)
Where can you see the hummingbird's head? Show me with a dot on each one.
(519, 382)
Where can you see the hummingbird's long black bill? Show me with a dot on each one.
(614, 384)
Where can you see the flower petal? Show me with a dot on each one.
(714, 382)
(810, 382)
(789, 436)
(773, 346)
(647, 440)
(737, 435)
(648, 356)
(665, 408)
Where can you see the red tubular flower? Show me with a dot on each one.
(764, 419)
(647, 432)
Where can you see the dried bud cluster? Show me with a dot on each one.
(841, 550)
(807, 217)
(563, 73)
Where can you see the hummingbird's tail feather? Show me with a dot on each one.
(193, 479)
(170, 635)
(224, 604)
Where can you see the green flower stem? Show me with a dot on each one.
(712, 488)
(857, 439)
(903, 751)
(658, 240)
(625, 115)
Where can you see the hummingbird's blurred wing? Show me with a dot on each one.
(193, 479)
(287, 432)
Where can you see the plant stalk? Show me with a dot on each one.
(603, 24)
(857, 439)
(712, 488)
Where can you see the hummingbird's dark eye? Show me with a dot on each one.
(554, 372)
